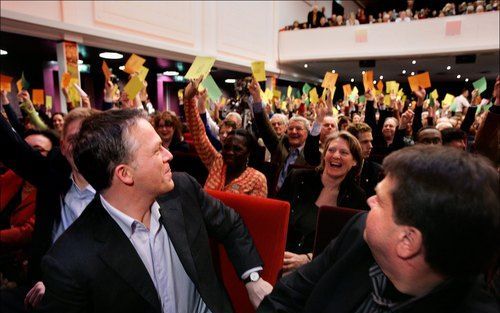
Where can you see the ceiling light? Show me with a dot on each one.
(414, 62)
(171, 73)
(80, 61)
(122, 67)
(111, 55)
(363, 72)
(305, 65)
(458, 76)
(230, 81)
(381, 77)
(448, 67)
(352, 80)
(412, 73)
(466, 80)
(374, 82)
(3, 52)
(403, 71)
(333, 71)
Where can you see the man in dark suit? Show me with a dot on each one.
(287, 150)
(314, 16)
(57, 181)
(421, 248)
(142, 244)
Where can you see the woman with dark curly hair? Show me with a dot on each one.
(228, 170)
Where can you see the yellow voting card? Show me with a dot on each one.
(329, 80)
(133, 86)
(259, 70)
(201, 66)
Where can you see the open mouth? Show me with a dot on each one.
(336, 164)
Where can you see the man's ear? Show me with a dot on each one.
(410, 242)
(124, 174)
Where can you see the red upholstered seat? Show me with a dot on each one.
(267, 222)
(331, 220)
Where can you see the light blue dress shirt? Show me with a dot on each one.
(72, 206)
(176, 291)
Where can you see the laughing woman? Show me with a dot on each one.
(227, 171)
(332, 183)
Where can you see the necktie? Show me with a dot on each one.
(290, 160)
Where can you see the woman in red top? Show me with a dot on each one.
(227, 171)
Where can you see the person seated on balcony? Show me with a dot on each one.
(228, 170)
(295, 25)
(403, 17)
(421, 248)
(323, 22)
(352, 21)
(332, 21)
(314, 17)
(332, 183)
(361, 16)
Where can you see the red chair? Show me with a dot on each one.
(331, 220)
(267, 222)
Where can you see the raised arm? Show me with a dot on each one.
(205, 149)
(264, 127)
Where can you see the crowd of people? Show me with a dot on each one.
(318, 18)
(91, 190)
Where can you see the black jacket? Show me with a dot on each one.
(50, 175)
(302, 188)
(338, 281)
(93, 267)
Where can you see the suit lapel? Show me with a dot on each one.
(119, 254)
(172, 218)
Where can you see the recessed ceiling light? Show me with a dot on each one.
(111, 55)
(403, 71)
(412, 73)
(352, 80)
(3, 52)
(171, 73)
(333, 71)
(363, 72)
(414, 62)
(466, 80)
(381, 77)
(374, 82)
(305, 65)
(448, 67)
(458, 76)
(122, 67)
(230, 81)
(80, 61)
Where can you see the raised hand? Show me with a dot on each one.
(191, 89)
(255, 90)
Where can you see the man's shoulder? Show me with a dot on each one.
(78, 239)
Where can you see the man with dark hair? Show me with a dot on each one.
(371, 172)
(429, 135)
(454, 137)
(145, 234)
(421, 247)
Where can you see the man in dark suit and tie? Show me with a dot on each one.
(142, 244)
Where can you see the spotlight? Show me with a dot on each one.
(305, 65)
(352, 80)
(403, 71)
(458, 76)
(414, 62)
(111, 55)
(171, 73)
(448, 67)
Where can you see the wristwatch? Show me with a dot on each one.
(252, 277)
